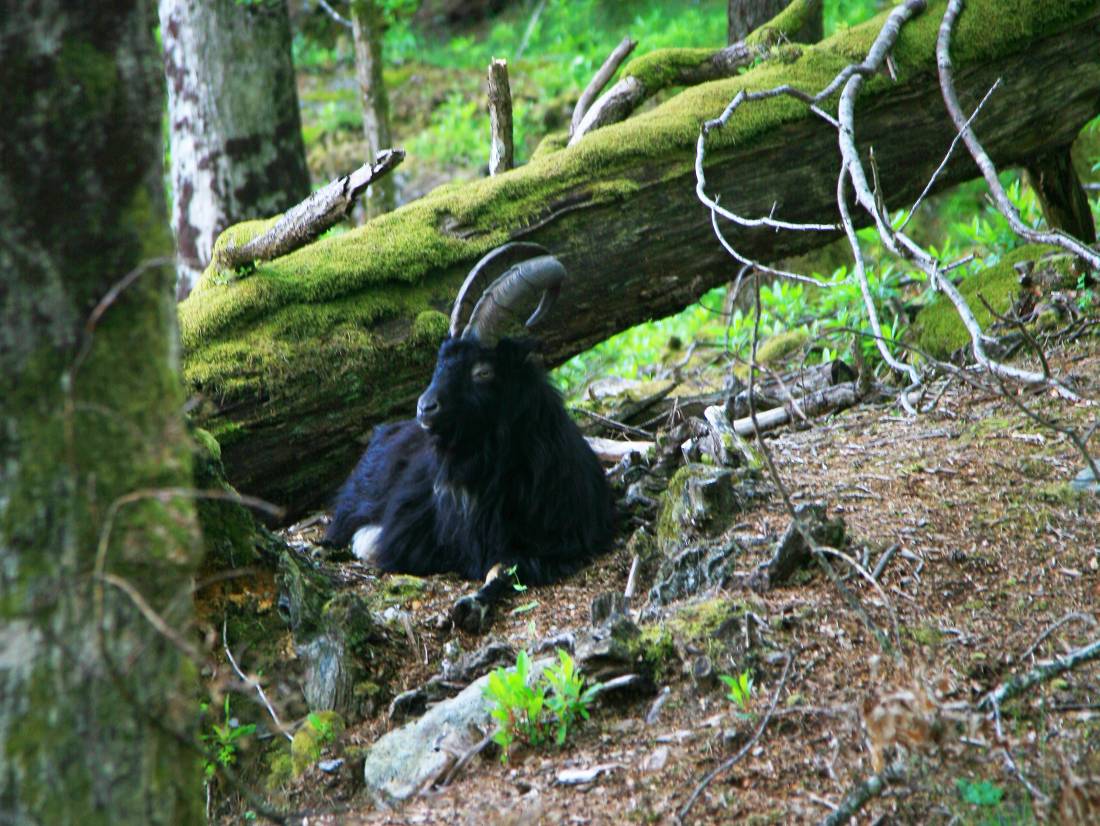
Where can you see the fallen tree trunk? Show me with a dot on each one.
(297, 361)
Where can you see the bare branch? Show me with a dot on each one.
(301, 224)
(989, 171)
(335, 15)
(1041, 673)
(601, 79)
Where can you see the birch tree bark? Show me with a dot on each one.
(95, 705)
(235, 131)
(368, 26)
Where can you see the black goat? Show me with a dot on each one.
(492, 473)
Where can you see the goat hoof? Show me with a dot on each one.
(471, 615)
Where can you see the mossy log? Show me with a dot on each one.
(300, 359)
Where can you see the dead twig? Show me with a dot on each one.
(1039, 674)
(984, 162)
(1073, 616)
(254, 683)
(726, 765)
(870, 788)
(884, 560)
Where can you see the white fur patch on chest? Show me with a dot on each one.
(364, 545)
(463, 499)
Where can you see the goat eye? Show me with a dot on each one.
(483, 372)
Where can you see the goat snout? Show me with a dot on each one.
(427, 408)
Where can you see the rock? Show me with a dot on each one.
(656, 759)
(409, 758)
(455, 676)
(578, 777)
(701, 502)
(347, 651)
(608, 651)
(605, 606)
(695, 569)
(792, 552)
(1086, 481)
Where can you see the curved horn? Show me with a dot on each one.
(536, 276)
(530, 270)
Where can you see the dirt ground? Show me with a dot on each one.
(993, 550)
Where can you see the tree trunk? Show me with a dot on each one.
(368, 27)
(235, 133)
(1061, 196)
(96, 707)
(299, 360)
(745, 16)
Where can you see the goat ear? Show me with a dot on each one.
(518, 351)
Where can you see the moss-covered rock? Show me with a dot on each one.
(320, 729)
(937, 329)
(782, 345)
(701, 501)
(714, 626)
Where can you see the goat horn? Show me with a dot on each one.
(530, 270)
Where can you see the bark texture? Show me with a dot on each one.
(235, 133)
(91, 697)
(299, 360)
(745, 16)
(368, 26)
(1063, 199)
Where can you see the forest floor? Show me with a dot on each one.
(994, 550)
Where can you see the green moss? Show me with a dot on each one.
(694, 626)
(320, 729)
(700, 621)
(1061, 493)
(666, 67)
(94, 71)
(779, 347)
(280, 770)
(655, 649)
(787, 25)
(401, 588)
(938, 330)
(669, 531)
(228, 530)
(550, 143)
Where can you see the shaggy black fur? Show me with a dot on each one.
(492, 471)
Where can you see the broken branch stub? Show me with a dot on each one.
(500, 118)
(302, 224)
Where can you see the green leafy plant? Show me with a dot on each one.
(323, 727)
(980, 793)
(569, 699)
(516, 584)
(537, 711)
(517, 706)
(740, 688)
(222, 741)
